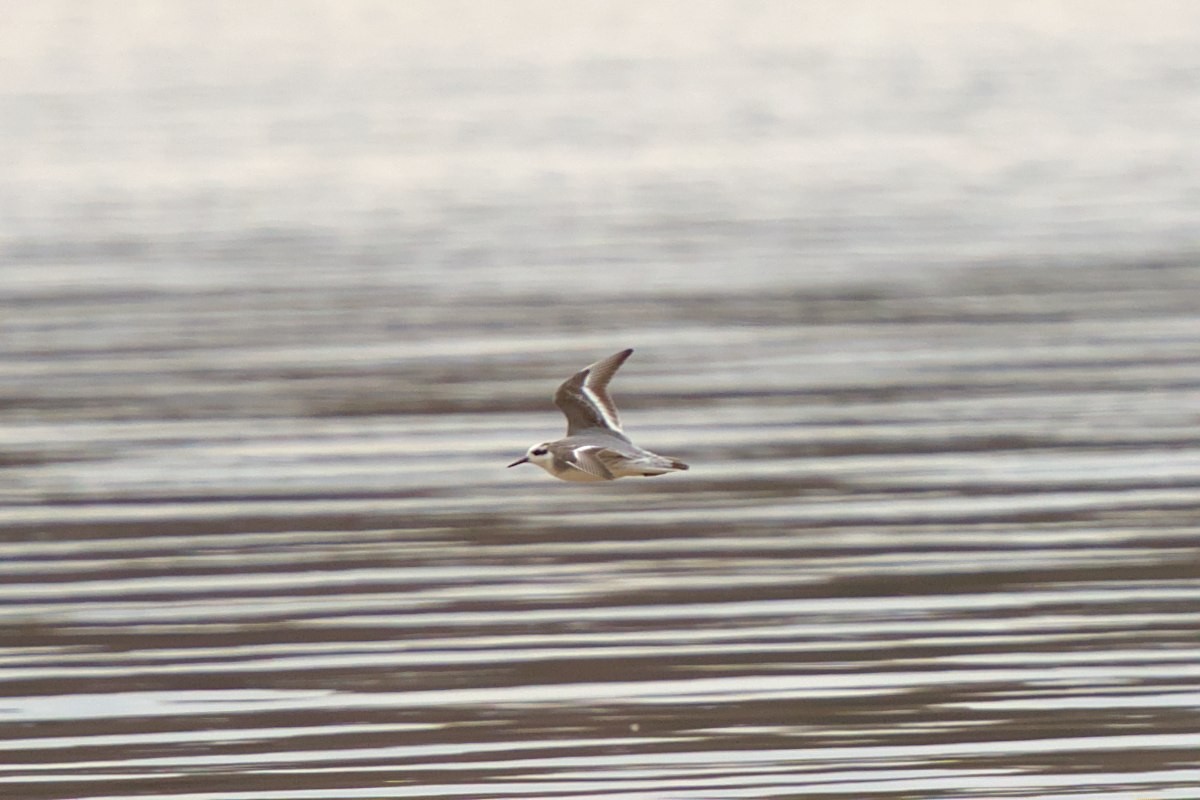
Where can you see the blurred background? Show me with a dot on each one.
(913, 286)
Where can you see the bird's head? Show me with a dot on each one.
(538, 454)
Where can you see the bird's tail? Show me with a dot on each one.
(654, 464)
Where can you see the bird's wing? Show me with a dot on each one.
(592, 459)
(584, 400)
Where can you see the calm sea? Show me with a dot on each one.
(914, 287)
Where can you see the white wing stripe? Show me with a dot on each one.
(601, 408)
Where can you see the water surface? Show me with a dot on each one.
(918, 303)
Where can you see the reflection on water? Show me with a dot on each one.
(939, 538)
(929, 565)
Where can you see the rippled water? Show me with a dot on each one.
(939, 538)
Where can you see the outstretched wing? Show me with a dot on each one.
(583, 398)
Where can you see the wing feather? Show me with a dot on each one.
(591, 460)
(584, 400)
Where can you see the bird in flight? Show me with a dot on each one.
(595, 447)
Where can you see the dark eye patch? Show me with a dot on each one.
(540, 451)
